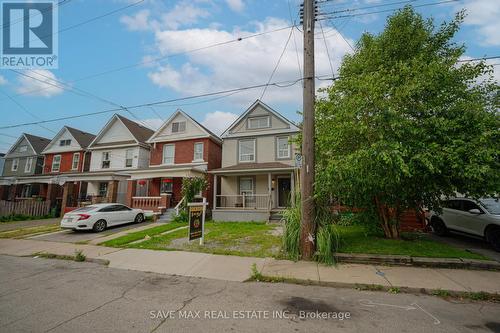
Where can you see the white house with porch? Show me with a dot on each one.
(257, 176)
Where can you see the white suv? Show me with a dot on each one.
(478, 218)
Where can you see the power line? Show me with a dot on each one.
(293, 36)
(365, 7)
(11, 23)
(327, 51)
(9, 136)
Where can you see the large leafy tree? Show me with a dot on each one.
(407, 122)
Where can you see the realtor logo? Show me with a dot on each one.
(29, 34)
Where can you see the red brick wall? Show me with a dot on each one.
(184, 152)
(66, 161)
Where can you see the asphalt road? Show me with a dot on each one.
(41, 295)
(70, 236)
(475, 244)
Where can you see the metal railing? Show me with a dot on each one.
(243, 201)
(178, 206)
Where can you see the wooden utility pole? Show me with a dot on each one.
(308, 227)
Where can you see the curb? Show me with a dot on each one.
(400, 260)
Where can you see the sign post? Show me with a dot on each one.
(197, 220)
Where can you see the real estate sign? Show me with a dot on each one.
(197, 220)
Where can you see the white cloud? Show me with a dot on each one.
(183, 14)
(219, 121)
(2, 80)
(153, 123)
(496, 70)
(137, 22)
(244, 63)
(484, 15)
(42, 83)
(236, 5)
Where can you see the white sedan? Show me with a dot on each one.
(100, 216)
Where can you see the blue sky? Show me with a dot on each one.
(155, 28)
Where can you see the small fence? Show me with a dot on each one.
(146, 203)
(243, 202)
(25, 207)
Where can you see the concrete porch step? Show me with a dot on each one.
(167, 216)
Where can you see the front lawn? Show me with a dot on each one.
(134, 236)
(251, 239)
(354, 239)
(29, 231)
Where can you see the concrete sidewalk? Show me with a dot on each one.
(233, 268)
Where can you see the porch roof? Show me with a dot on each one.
(254, 168)
(169, 171)
(96, 176)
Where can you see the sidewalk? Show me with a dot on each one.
(233, 268)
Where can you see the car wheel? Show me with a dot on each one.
(438, 227)
(99, 226)
(493, 237)
(139, 218)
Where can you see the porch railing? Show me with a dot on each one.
(146, 203)
(243, 202)
(25, 207)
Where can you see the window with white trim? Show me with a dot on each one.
(178, 127)
(28, 165)
(23, 148)
(168, 154)
(66, 142)
(129, 158)
(15, 164)
(56, 163)
(105, 161)
(246, 186)
(259, 122)
(75, 161)
(198, 151)
(246, 150)
(283, 148)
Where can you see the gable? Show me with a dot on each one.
(167, 131)
(55, 147)
(21, 148)
(116, 132)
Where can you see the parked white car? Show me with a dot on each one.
(100, 216)
(479, 218)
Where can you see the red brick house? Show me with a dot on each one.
(181, 147)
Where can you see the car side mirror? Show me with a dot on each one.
(474, 211)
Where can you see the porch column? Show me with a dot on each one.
(292, 189)
(270, 189)
(215, 192)
(112, 190)
(67, 192)
(12, 191)
(131, 188)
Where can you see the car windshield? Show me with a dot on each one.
(85, 209)
(491, 205)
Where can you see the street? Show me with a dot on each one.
(41, 295)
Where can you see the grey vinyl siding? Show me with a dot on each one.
(36, 167)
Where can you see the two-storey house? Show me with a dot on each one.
(181, 147)
(23, 161)
(258, 171)
(66, 154)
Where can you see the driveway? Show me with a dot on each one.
(473, 244)
(6, 226)
(81, 236)
(41, 295)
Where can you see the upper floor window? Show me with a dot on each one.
(198, 151)
(15, 164)
(106, 162)
(22, 149)
(259, 122)
(56, 163)
(129, 157)
(246, 150)
(28, 165)
(283, 148)
(66, 142)
(168, 154)
(76, 161)
(178, 127)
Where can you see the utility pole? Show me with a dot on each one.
(308, 225)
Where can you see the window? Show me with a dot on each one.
(26, 191)
(103, 189)
(166, 185)
(178, 127)
(168, 154)
(105, 160)
(468, 205)
(63, 143)
(283, 147)
(453, 204)
(247, 150)
(129, 157)
(258, 122)
(56, 163)
(28, 165)
(22, 149)
(76, 160)
(15, 164)
(198, 151)
(246, 186)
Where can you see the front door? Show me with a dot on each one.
(284, 190)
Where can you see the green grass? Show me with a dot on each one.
(19, 233)
(134, 236)
(354, 239)
(251, 239)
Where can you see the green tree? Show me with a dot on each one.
(407, 123)
(191, 186)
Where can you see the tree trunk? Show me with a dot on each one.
(388, 220)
